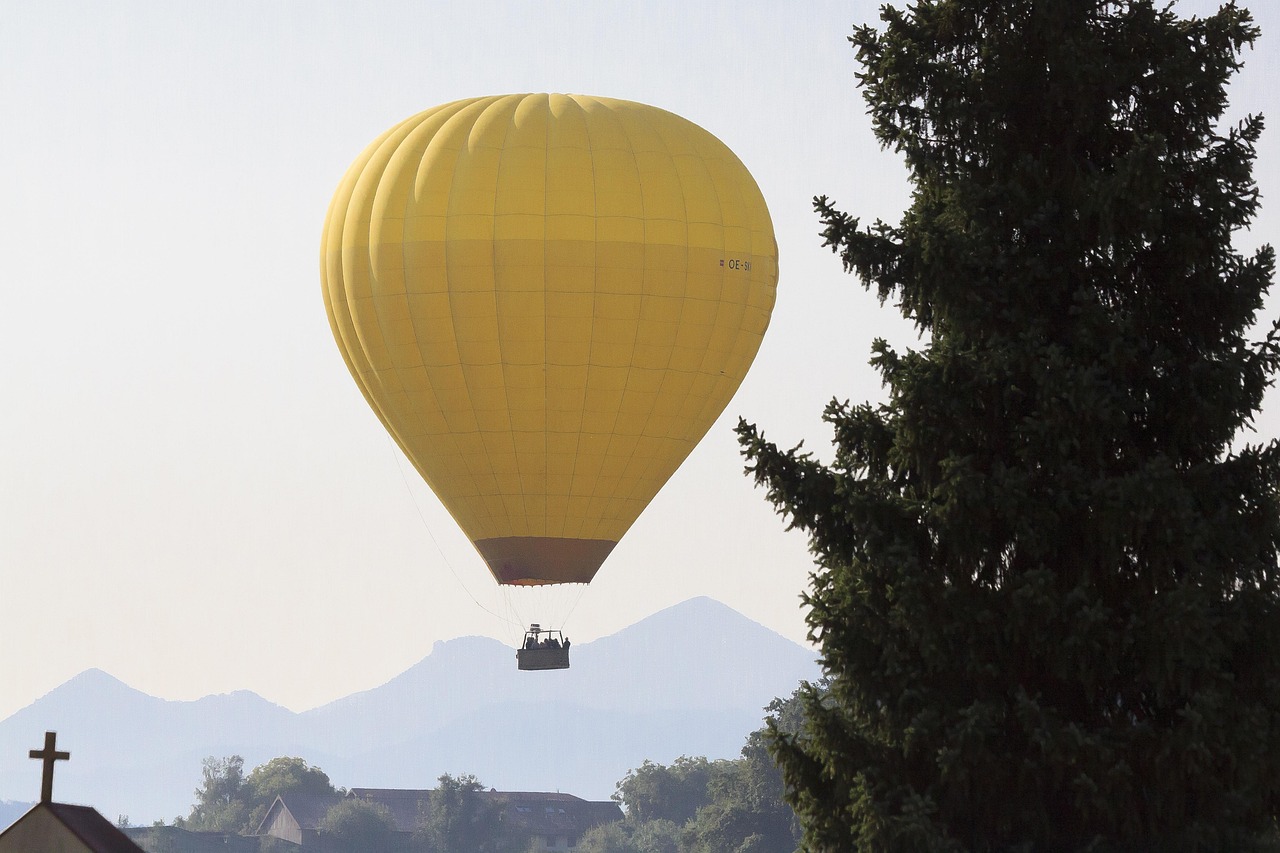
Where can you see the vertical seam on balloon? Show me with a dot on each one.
(749, 196)
(453, 318)
(582, 531)
(684, 296)
(724, 276)
(421, 150)
(404, 266)
(680, 126)
(595, 487)
(369, 252)
(595, 269)
(401, 371)
(493, 260)
(335, 291)
(604, 109)
(457, 108)
(375, 376)
(641, 117)
(546, 444)
(666, 121)
(367, 379)
(715, 190)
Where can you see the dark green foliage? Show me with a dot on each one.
(226, 801)
(170, 839)
(745, 810)
(280, 776)
(632, 836)
(219, 805)
(1046, 583)
(356, 826)
(458, 820)
(660, 792)
(702, 806)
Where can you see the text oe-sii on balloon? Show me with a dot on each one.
(547, 300)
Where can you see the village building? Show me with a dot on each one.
(174, 839)
(556, 822)
(296, 818)
(552, 822)
(63, 828)
(50, 827)
(547, 822)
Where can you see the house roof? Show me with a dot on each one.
(557, 814)
(307, 809)
(177, 838)
(406, 805)
(537, 812)
(92, 829)
(540, 812)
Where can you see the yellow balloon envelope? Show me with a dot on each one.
(548, 300)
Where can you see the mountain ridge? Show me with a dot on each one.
(692, 679)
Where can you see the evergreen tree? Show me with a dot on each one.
(1046, 577)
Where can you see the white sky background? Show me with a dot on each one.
(194, 496)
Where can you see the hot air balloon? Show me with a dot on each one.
(547, 300)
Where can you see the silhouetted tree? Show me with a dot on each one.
(632, 836)
(219, 805)
(700, 806)
(672, 792)
(745, 809)
(459, 819)
(280, 776)
(354, 825)
(1046, 583)
(227, 801)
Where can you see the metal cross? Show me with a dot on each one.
(49, 755)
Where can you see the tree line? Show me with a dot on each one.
(698, 806)
(694, 804)
(453, 819)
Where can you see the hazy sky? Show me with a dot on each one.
(195, 496)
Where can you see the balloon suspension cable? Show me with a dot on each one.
(550, 605)
(582, 588)
(515, 621)
(395, 452)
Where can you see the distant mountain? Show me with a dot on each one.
(690, 680)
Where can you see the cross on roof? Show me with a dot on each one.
(49, 754)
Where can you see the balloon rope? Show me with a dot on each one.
(509, 605)
(582, 587)
(413, 498)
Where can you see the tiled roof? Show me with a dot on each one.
(95, 831)
(538, 812)
(308, 809)
(556, 814)
(176, 838)
(406, 805)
